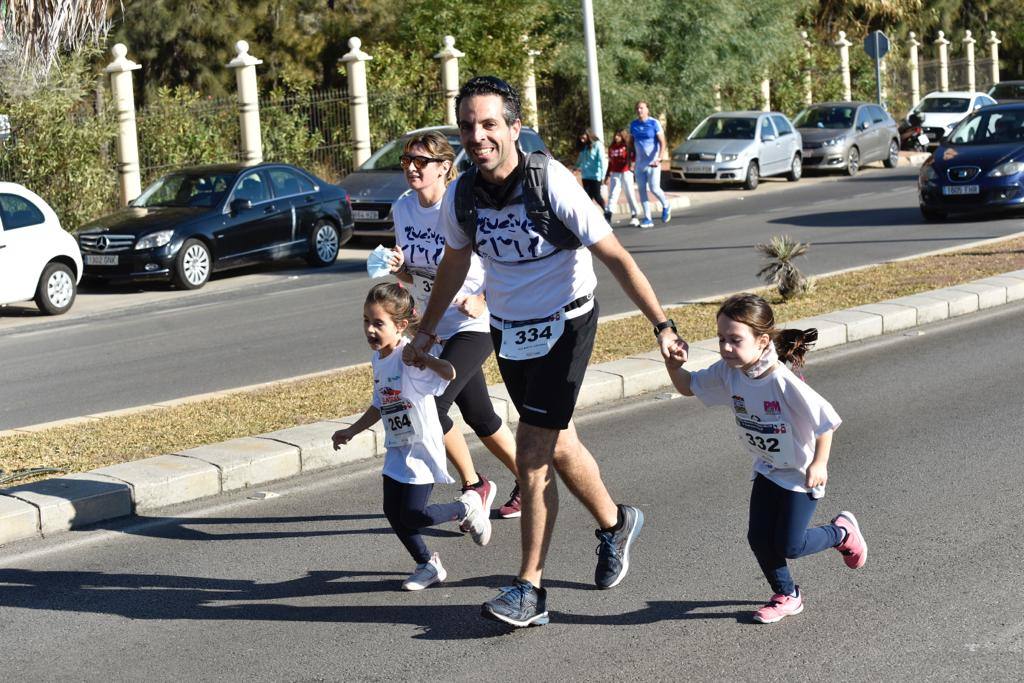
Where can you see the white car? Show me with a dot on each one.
(941, 111)
(38, 259)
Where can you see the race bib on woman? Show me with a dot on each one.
(526, 339)
(770, 441)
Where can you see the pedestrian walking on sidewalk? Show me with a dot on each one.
(428, 163)
(649, 144)
(590, 163)
(787, 428)
(621, 158)
(414, 461)
(529, 221)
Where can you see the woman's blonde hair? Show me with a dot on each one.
(437, 146)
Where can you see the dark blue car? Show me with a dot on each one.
(978, 167)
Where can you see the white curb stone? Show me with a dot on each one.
(929, 309)
(166, 480)
(860, 325)
(1014, 286)
(316, 450)
(961, 302)
(599, 387)
(18, 520)
(361, 447)
(989, 296)
(638, 375)
(894, 316)
(75, 500)
(248, 461)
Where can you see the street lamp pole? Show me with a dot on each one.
(593, 82)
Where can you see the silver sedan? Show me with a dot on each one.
(846, 135)
(739, 147)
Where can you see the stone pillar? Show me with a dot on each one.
(943, 46)
(766, 94)
(993, 49)
(121, 88)
(808, 88)
(359, 111)
(915, 75)
(449, 57)
(244, 65)
(969, 42)
(844, 64)
(530, 90)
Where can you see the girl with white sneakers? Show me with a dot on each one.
(787, 428)
(403, 396)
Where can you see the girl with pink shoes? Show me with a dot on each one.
(787, 428)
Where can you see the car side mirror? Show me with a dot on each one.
(767, 138)
(240, 205)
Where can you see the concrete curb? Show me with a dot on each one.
(74, 501)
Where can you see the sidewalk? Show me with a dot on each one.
(55, 505)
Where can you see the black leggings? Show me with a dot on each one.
(467, 351)
(405, 506)
(593, 188)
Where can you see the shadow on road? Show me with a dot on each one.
(665, 610)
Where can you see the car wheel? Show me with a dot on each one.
(932, 214)
(753, 176)
(192, 267)
(796, 169)
(894, 155)
(323, 244)
(56, 289)
(852, 161)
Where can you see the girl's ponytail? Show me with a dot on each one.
(792, 345)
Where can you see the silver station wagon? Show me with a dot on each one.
(739, 147)
(846, 135)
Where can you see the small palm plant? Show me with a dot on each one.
(780, 271)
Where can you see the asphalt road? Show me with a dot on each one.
(305, 586)
(264, 325)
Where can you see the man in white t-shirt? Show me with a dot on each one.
(543, 323)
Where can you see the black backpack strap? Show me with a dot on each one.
(465, 204)
(538, 204)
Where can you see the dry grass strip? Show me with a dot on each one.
(82, 447)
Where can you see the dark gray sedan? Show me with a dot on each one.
(846, 135)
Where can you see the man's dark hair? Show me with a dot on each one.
(492, 85)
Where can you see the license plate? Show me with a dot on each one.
(699, 168)
(922, 139)
(961, 189)
(364, 215)
(97, 260)
(811, 152)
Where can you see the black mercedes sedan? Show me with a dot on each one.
(195, 221)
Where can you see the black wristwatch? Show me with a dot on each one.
(661, 327)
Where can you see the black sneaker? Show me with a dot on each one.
(613, 550)
(518, 605)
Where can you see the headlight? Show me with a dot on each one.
(154, 240)
(1009, 168)
(928, 172)
(833, 142)
(730, 157)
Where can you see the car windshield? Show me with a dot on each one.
(1007, 91)
(838, 118)
(990, 128)
(943, 105)
(204, 190)
(387, 157)
(725, 128)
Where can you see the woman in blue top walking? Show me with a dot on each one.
(591, 166)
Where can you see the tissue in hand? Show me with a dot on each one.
(378, 263)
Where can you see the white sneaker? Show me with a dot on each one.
(634, 221)
(426, 574)
(478, 517)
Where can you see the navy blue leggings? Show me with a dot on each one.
(778, 530)
(405, 506)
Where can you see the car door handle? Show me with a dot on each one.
(310, 199)
(270, 209)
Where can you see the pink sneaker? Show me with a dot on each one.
(486, 490)
(854, 548)
(780, 606)
(513, 508)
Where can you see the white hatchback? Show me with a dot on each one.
(38, 259)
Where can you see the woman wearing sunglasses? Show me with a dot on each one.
(428, 162)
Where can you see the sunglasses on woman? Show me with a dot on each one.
(419, 162)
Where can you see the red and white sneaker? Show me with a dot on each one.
(487, 491)
(779, 607)
(854, 548)
(514, 506)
